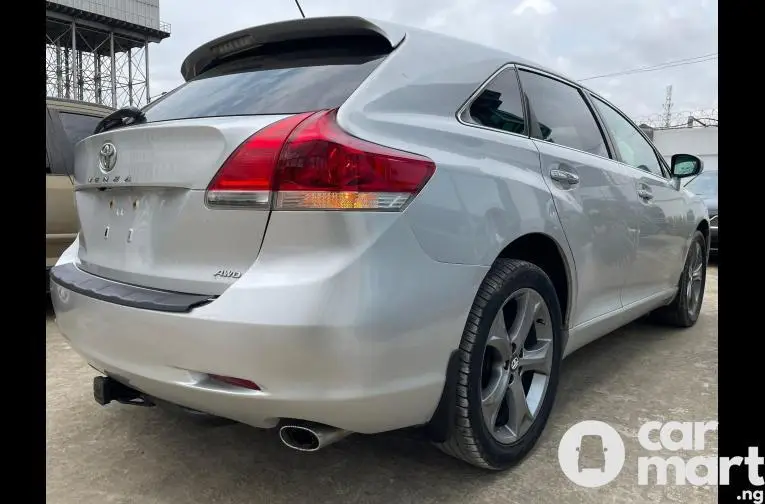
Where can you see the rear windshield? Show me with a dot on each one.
(78, 126)
(280, 80)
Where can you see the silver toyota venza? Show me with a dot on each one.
(338, 225)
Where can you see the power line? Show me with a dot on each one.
(671, 64)
(662, 66)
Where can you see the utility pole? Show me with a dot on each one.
(668, 107)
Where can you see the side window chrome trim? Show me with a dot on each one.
(642, 172)
(464, 108)
(549, 75)
(578, 150)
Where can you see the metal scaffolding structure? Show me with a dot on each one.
(96, 57)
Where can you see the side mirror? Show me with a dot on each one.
(686, 165)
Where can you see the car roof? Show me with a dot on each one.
(79, 107)
(205, 55)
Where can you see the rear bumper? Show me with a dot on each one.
(713, 239)
(343, 348)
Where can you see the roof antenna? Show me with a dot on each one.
(300, 8)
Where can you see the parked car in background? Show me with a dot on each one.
(705, 186)
(328, 229)
(66, 123)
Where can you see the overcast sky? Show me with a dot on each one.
(580, 38)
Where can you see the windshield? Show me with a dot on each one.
(704, 185)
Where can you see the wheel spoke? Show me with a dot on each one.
(696, 275)
(528, 307)
(692, 260)
(498, 337)
(519, 410)
(538, 359)
(696, 291)
(491, 398)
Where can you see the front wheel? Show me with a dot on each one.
(685, 308)
(510, 357)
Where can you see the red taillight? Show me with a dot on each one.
(309, 163)
(322, 167)
(246, 178)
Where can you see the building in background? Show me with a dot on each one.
(701, 142)
(98, 50)
(687, 133)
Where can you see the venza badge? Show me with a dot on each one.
(107, 157)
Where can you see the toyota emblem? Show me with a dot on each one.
(107, 157)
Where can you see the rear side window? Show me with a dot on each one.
(78, 126)
(282, 80)
(632, 147)
(499, 105)
(563, 116)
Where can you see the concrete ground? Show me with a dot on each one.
(121, 454)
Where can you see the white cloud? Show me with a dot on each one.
(542, 7)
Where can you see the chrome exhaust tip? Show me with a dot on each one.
(310, 437)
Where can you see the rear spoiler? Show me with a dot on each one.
(206, 56)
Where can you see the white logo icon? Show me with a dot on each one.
(591, 454)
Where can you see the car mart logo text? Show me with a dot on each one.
(603, 462)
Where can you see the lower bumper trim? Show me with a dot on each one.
(74, 279)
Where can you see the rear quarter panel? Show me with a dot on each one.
(488, 188)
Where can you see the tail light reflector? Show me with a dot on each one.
(306, 162)
(237, 382)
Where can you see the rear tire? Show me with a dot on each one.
(509, 362)
(685, 308)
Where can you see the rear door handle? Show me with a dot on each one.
(564, 176)
(645, 194)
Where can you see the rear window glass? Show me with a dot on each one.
(78, 126)
(289, 82)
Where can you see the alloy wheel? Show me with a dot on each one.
(694, 282)
(517, 364)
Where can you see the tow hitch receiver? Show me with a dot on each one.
(106, 390)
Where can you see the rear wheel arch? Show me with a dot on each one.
(544, 251)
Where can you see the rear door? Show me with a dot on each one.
(143, 215)
(594, 195)
(664, 224)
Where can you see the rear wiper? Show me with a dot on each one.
(123, 117)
